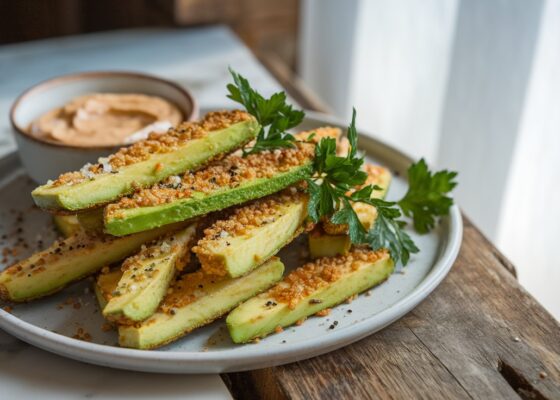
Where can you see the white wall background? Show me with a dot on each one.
(472, 85)
(529, 225)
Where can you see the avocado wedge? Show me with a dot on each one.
(329, 239)
(67, 224)
(307, 290)
(68, 260)
(252, 234)
(222, 184)
(105, 284)
(149, 161)
(322, 244)
(315, 135)
(197, 299)
(147, 275)
(91, 220)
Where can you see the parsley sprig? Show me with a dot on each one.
(337, 182)
(426, 197)
(332, 193)
(273, 114)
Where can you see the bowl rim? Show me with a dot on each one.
(61, 79)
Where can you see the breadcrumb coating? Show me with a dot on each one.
(229, 172)
(316, 135)
(186, 289)
(36, 263)
(154, 144)
(304, 281)
(366, 213)
(243, 219)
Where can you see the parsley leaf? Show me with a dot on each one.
(347, 215)
(387, 231)
(273, 114)
(332, 192)
(333, 187)
(426, 197)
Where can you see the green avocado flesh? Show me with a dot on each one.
(105, 284)
(235, 255)
(146, 280)
(262, 314)
(323, 244)
(73, 258)
(67, 224)
(107, 187)
(141, 218)
(91, 220)
(210, 299)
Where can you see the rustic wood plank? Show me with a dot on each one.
(479, 335)
(482, 323)
(364, 370)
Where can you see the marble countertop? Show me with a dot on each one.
(196, 58)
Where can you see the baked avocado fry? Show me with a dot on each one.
(225, 183)
(307, 290)
(186, 147)
(252, 234)
(321, 244)
(196, 300)
(67, 225)
(68, 260)
(147, 275)
(329, 239)
(105, 284)
(91, 220)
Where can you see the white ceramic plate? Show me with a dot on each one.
(50, 324)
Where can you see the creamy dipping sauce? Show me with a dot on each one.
(106, 119)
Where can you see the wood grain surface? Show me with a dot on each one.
(479, 335)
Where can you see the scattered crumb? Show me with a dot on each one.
(351, 298)
(543, 375)
(323, 313)
(70, 301)
(278, 329)
(8, 309)
(516, 339)
(106, 327)
(81, 334)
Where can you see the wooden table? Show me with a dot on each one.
(478, 335)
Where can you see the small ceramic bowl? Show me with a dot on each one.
(46, 159)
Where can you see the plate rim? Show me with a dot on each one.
(252, 358)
